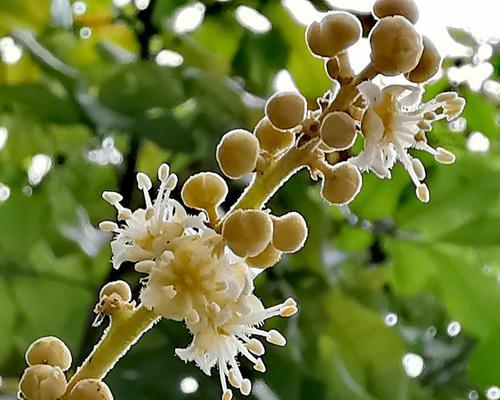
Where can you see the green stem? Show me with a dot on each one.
(266, 184)
(127, 326)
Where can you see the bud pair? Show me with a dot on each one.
(334, 33)
(341, 183)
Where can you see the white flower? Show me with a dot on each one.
(192, 276)
(395, 121)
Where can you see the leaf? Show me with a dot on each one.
(61, 13)
(463, 37)
(259, 58)
(361, 356)
(480, 114)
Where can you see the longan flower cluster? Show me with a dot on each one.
(199, 276)
(48, 359)
(199, 269)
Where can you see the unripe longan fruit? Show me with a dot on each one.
(204, 191)
(289, 232)
(389, 8)
(91, 389)
(49, 350)
(338, 130)
(341, 183)
(428, 65)
(247, 232)
(43, 382)
(120, 288)
(237, 153)
(268, 258)
(334, 33)
(272, 140)
(396, 46)
(286, 110)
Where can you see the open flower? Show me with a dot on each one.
(192, 276)
(395, 121)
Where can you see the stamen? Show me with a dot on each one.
(422, 193)
(124, 213)
(163, 172)
(446, 96)
(233, 379)
(112, 198)
(288, 311)
(143, 181)
(246, 387)
(419, 169)
(169, 292)
(227, 395)
(444, 156)
(108, 226)
(259, 366)
(276, 338)
(192, 317)
(256, 347)
(144, 266)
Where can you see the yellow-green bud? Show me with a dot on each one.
(341, 183)
(204, 191)
(272, 140)
(286, 110)
(338, 130)
(91, 389)
(49, 350)
(120, 288)
(42, 382)
(332, 68)
(428, 65)
(237, 153)
(396, 46)
(389, 8)
(268, 258)
(289, 232)
(334, 33)
(247, 232)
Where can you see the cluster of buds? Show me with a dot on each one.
(199, 269)
(48, 359)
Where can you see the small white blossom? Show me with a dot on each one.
(192, 276)
(394, 122)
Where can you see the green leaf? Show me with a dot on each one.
(480, 114)
(463, 37)
(259, 58)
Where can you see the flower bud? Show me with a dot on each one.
(269, 257)
(332, 68)
(247, 232)
(120, 288)
(43, 382)
(341, 183)
(237, 153)
(428, 65)
(389, 8)
(338, 130)
(91, 389)
(49, 350)
(289, 232)
(334, 33)
(204, 191)
(272, 140)
(286, 110)
(396, 46)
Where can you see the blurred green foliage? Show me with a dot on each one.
(428, 264)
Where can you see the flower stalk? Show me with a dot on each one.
(126, 328)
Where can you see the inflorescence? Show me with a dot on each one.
(199, 269)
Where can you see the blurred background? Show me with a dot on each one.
(398, 300)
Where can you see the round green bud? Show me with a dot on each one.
(334, 33)
(91, 389)
(247, 232)
(42, 382)
(49, 350)
(204, 191)
(237, 153)
(389, 8)
(341, 183)
(273, 140)
(396, 46)
(428, 65)
(338, 130)
(286, 110)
